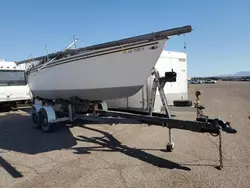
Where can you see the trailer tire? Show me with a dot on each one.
(36, 120)
(35, 116)
(45, 125)
(182, 103)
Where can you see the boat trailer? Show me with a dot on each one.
(47, 114)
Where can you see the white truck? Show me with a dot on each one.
(13, 85)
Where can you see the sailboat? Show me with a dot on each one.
(111, 70)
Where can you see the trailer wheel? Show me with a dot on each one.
(35, 116)
(170, 147)
(45, 125)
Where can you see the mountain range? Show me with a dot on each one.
(241, 73)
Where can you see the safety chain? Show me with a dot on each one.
(220, 151)
(200, 114)
(220, 166)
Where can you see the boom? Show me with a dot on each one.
(146, 37)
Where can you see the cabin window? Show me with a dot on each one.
(12, 78)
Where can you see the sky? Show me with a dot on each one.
(219, 43)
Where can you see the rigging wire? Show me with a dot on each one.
(185, 45)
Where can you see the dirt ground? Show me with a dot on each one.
(130, 155)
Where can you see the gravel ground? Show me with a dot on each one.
(130, 155)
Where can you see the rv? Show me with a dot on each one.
(168, 61)
(13, 85)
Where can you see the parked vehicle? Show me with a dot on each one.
(13, 86)
(195, 82)
(210, 81)
(200, 81)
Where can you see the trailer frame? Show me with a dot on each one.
(48, 113)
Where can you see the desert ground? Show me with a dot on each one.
(130, 155)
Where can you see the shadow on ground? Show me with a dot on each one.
(9, 168)
(17, 134)
(109, 143)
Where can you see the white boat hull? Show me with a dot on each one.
(99, 76)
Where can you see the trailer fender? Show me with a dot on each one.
(50, 113)
(47, 116)
(103, 106)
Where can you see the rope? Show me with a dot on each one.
(185, 46)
